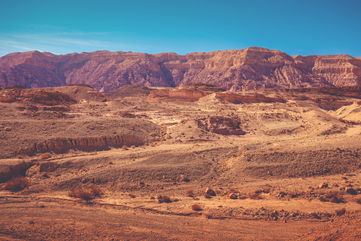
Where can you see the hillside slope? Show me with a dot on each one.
(251, 68)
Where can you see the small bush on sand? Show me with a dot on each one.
(351, 191)
(190, 193)
(210, 192)
(196, 207)
(86, 193)
(16, 184)
(340, 212)
(183, 178)
(132, 195)
(332, 197)
(164, 199)
(255, 196)
(234, 195)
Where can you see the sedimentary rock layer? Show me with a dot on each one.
(250, 68)
(62, 145)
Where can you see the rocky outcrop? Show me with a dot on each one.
(80, 92)
(250, 68)
(129, 91)
(243, 99)
(223, 125)
(63, 145)
(188, 95)
(39, 96)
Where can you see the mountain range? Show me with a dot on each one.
(250, 68)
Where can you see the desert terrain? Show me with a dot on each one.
(240, 69)
(194, 162)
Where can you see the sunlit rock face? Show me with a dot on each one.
(251, 68)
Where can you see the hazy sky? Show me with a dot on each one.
(294, 26)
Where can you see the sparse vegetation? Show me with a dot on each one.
(332, 197)
(263, 164)
(86, 193)
(233, 195)
(196, 207)
(16, 184)
(164, 199)
(255, 196)
(323, 185)
(209, 193)
(351, 191)
(183, 178)
(190, 193)
(340, 212)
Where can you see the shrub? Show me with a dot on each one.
(234, 195)
(190, 193)
(164, 199)
(86, 193)
(255, 196)
(196, 207)
(16, 184)
(183, 178)
(332, 197)
(351, 191)
(210, 192)
(315, 215)
(340, 212)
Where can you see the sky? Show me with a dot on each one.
(304, 27)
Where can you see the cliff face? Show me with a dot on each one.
(250, 68)
(63, 145)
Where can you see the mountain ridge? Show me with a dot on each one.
(244, 69)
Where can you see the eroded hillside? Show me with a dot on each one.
(247, 69)
(175, 163)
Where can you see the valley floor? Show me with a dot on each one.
(278, 170)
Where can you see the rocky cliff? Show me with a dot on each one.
(250, 68)
(63, 145)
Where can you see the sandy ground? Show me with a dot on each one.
(291, 157)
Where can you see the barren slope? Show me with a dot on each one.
(251, 68)
(284, 164)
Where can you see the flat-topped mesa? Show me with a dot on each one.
(339, 70)
(251, 68)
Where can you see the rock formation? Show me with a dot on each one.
(39, 96)
(175, 95)
(223, 125)
(62, 145)
(250, 68)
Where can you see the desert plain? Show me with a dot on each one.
(188, 163)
